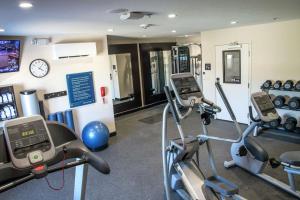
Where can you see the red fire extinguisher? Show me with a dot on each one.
(103, 93)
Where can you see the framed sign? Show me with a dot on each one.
(80, 89)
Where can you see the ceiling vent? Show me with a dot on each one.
(146, 26)
(130, 15)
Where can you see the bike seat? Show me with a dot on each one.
(291, 158)
(256, 150)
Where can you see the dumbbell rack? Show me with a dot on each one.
(12, 102)
(285, 110)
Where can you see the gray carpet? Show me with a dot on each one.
(136, 170)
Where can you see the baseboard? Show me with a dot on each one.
(112, 134)
(140, 108)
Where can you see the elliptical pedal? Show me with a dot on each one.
(221, 185)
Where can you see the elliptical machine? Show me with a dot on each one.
(181, 164)
(249, 155)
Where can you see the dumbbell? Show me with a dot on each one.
(297, 86)
(280, 101)
(277, 85)
(267, 84)
(288, 85)
(294, 103)
(275, 123)
(290, 124)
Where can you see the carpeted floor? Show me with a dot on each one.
(136, 170)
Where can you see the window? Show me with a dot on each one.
(232, 66)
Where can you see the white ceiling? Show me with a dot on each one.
(49, 17)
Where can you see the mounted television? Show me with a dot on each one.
(9, 56)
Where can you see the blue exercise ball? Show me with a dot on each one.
(95, 135)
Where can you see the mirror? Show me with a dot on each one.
(161, 66)
(121, 78)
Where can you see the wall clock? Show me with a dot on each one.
(39, 68)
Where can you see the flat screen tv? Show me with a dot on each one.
(9, 56)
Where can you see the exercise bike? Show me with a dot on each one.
(31, 148)
(181, 164)
(251, 156)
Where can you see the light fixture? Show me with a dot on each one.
(234, 22)
(2, 29)
(25, 5)
(186, 35)
(173, 31)
(144, 36)
(110, 30)
(172, 15)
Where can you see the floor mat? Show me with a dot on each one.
(153, 119)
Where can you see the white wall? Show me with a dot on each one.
(275, 52)
(56, 79)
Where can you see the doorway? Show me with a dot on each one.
(156, 62)
(233, 69)
(124, 76)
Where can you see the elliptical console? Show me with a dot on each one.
(264, 106)
(29, 141)
(186, 89)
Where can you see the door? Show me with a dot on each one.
(157, 67)
(124, 76)
(233, 69)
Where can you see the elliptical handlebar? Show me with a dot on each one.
(251, 115)
(171, 103)
(224, 98)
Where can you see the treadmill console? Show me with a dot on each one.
(186, 88)
(29, 141)
(264, 106)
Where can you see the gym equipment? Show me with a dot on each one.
(181, 59)
(275, 123)
(60, 117)
(288, 85)
(294, 103)
(8, 105)
(297, 86)
(280, 101)
(52, 117)
(30, 103)
(250, 156)
(277, 85)
(69, 119)
(30, 149)
(290, 124)
(187, 58)
(95, 135)
(181, 164)
(267, 84)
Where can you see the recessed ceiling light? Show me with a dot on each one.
(110, 30)
(233, 22)
(172, 15)
(25, 5)
(173, 31)
(2, 29)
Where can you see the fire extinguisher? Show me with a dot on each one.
(103, 93)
